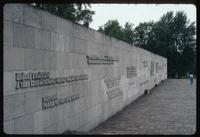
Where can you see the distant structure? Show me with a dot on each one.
(60, 76)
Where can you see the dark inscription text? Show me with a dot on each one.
(42, 79)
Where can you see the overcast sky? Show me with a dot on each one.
(136, 13)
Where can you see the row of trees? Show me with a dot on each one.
(173, 37)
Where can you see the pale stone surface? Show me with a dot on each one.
(53, 129)
(49, 21)
(32, 59)
(79, 46)
(42, 39)
(38, 121)
(37, 41)
(33, 101)
(8, 82)
(13, 58)
(32, 17)
(60, 60)
(24, 125)
(14, 106)
(64, 27)
(13, 12)
(57, 41)
(23, 36)
(77, 61)
(8, 127)
(50, 60)
(8, 33)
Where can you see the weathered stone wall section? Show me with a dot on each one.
(37, 41)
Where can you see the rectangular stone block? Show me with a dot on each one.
(57, 41)
(91, 49)
(99, 37)
(77, 61)
(86, 127)
(23, 36)
(96, 86)
(76, 30)
(60, 60)
(63, 91)
(49, 21)
(64, 27)
(71, 108)
(8, 127)
(83, 116)
(82, 89)
(52, 129)
(74, 122)
(33, 101)
(32, 17)
(24, 125)
(39, 121)
(85, 103)
(13, 12)
(66, 61)
(61, 128)
(8, 82)
(49, 60)
(67, 43)
(98, 98)
(13, 58)
(14, 106)
(90, 35)
(100, 113)
(32, 59)
(8, 33)
(61, 114)
(79, 46)
(42, 39)
(108, 72)
(45, 118)
(93, 72)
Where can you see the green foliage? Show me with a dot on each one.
(72, 12)
(128, 33)
(113, 28)
(143, 36)
(176, 36)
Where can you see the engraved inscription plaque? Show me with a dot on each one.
(42, 79)
(53, 101)
(113, 88)
(131, 71)
(106, 60)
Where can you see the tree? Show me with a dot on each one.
(128, 33)
(143, 36)
(172, 37)
(84, 15)
(72, 12)
(112, 28)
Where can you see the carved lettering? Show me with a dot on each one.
(42, 79)
(53, 101)
(106, 60)
(131, 71)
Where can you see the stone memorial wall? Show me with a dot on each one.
(61, 76)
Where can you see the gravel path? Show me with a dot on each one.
(169, 109)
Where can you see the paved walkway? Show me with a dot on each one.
(169, 109)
